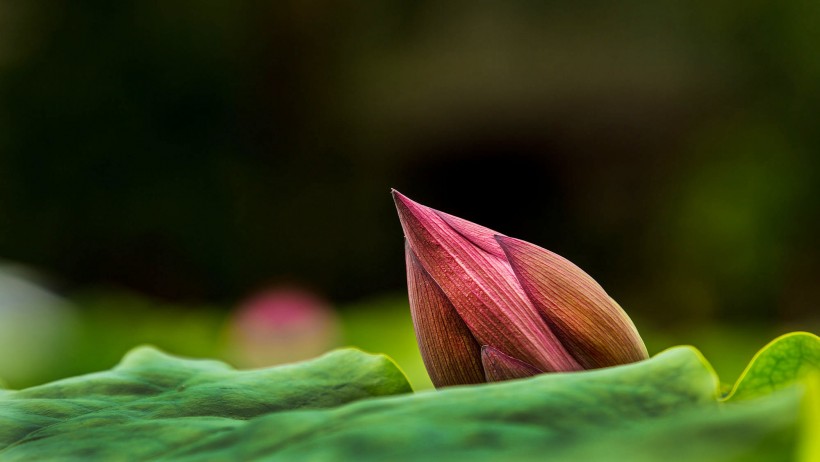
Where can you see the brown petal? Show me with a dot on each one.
(482, 288)
(594, 328)
(499, 366)
(450, 353)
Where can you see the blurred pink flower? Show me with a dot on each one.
(280, 325)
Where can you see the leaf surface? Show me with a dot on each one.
(668, 408)
(152, 402)
(785, 360)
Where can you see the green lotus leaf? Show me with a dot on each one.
(808, 449)
(152, 402)
(666, 408)
(669, 408)
(784, 361)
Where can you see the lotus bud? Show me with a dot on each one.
(487, 307)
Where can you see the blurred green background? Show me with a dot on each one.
(162, 164)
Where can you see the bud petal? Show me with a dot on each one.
(499, 367)
(450, 353)
(588, 322)
(481, 286)
(482, 237)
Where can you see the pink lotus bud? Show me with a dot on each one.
(487, 307)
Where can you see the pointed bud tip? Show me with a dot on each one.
(402, 201)
(399, 197)
(411, 213)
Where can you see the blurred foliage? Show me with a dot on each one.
(109, 324)
(194, 151)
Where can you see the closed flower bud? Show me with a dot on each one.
(487, 307)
